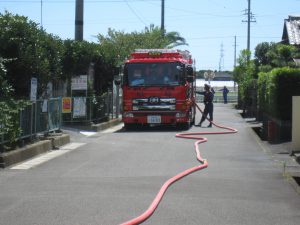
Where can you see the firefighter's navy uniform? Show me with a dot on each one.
(208, 103)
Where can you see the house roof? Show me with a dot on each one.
(291, 30)
(297, 61)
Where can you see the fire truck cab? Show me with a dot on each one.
(159, 88)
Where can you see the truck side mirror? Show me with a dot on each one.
(189, 71)
(117, 80)
(190, 79)
(190, 74)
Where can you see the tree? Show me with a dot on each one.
(32, 53)
(117, 45)
(245, 74)
(77, 57)
(9, 108)
(245, 69)
(174, 39)
(271, 55)
(285, 54)
(5, 87)
(261, 51)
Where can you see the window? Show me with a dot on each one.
(153, 74)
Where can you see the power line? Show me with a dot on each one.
(72, 1)
(134, 12)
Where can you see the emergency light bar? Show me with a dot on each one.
(143, 53)
(163, 50)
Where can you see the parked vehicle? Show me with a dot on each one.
(159, 88)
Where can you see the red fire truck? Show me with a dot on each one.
(158, 88)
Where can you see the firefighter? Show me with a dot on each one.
(225, 92)
(137, 78)
(161, 76)
(208, 103)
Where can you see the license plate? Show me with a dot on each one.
(154, 119)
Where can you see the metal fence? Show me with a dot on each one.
(84, 110)
(42, 116)
(232, 97)
(45, 116)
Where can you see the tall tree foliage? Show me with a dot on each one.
(272, 55)
(9, 108)
(117, 45)
(5, 87)
(268, 56)
(244, 74)
(80, 56)
(77, 57)
(245, 69)
(32, 53)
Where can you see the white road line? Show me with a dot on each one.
(47, 156)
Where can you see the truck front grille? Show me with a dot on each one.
(154, 103)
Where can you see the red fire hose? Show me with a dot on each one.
(203, 164)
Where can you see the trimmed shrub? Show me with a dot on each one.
(275, 91)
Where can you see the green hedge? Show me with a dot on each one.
(32, 52)
(275, 91)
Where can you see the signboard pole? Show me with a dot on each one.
(79, 83)
(33, 89)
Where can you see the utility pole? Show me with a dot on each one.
(221, 62)
(234, 63)
(79, 20)
(250, 19)
(248, 27)
(162, 26)
(41, 13)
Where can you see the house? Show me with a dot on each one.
(291, 31)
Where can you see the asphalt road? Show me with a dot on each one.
(110, 177)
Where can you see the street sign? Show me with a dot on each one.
(33, 89)
(79, 83)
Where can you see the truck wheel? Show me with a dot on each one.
(129, 126)
(184, 126)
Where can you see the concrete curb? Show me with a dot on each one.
(31, 150)
(290, 179)
(50, 142)
(105, 125)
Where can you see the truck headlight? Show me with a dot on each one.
(179, 115)
(128, 115)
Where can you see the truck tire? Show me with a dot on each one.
(129, 126)
(184, 126)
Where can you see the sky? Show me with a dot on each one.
(209, 26)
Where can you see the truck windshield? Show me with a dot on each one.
(153, 74)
